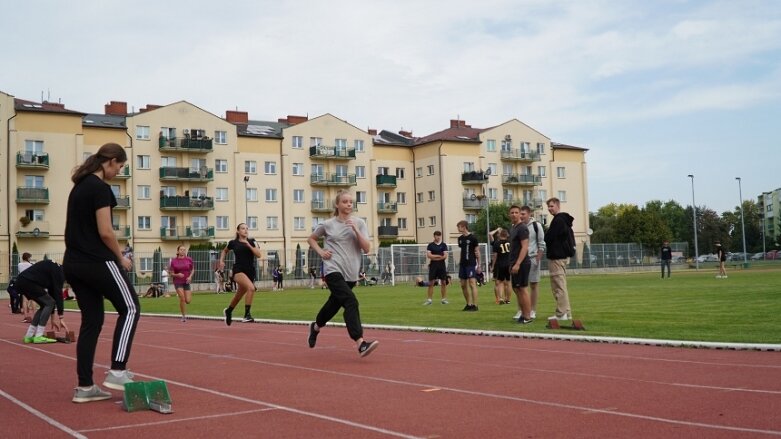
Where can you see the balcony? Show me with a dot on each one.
(124, 173)
(387, 207)
(386, 181)
(322, 206)
(388, 231)
(168, 173)
(517, 155)
(187, 233)
(474, 177)
(195, 146)
(33, 229)
(31, 160)
(534, 203)
(329, 179)
(331, 152)
(184, 202)
(521, 180)
(32, 195)
(123, 202)
(475, 204)
(121, 232)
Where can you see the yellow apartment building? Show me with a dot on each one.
(192, 176)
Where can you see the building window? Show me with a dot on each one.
(402, 223)
(222, 194)
(252, 222)
(142, 162)
(298, 223)
(507, 144)
(493, 193)
(222, 222)
(432, 195)
(298, 195)
(168, 133)
(146, 264)
(360, 197)
(383, 170)
(270, 168)
(197, 192)
(561, 172)
(144, 192)
(271, 195)
(168, 162)
(250, 167)
(401, 197)
(418, 172)
(490, 145)
(340, 144)
(221, 137)
(543, 194)
(471, 218)
(563, 196)
(469, 166)
(358, 145)
(33, 181)
(272, 223)
(144, 223)
(298, 142)
(419, 197)
(221, 166)
(360, 172)
(421, 222)
(432, 221)
(541, 171)
(315, 141)
(525, 147)
(400, 173)
(430, 169)
(298, 169)
(541, 148)
(492, 168)
(251, 194)
(142, 132)
(168, 191)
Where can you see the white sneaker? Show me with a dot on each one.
(533, 315)
(444, 301)
(117, 380)
(427, 302)
(564, 317)
(518, 315)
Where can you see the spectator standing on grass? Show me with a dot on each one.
(42, 284)
(468, 265)
(666, 257)
(345, 240)
(246, 251)
(500, 266)
(536, 250)
(721, 256)
(437, 252)
(97, 271)
(559, 249)
(181, 268)
(164, 282)
(520, 263)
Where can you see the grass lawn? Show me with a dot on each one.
(691, 305)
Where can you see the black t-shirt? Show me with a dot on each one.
(667, 253)
(47, 274)
(518, 233)
(502, 249)
(244, 255)
(467, 244)
(439, 250)
(82, 240)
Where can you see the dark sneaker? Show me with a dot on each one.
(247, 319)
(312, 335)
(367, 347)
(93, 393)
(228, 317)
(467, 308)
(525, 321)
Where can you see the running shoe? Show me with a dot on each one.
(117, 379)
(227, 312)
(312, 335)
(89, 394)
(367, 347)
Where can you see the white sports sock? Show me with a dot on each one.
(40, 330)
(30, 331)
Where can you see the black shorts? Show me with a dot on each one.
(249, 271)
(521, 279)
(502, 273)
(437, 272)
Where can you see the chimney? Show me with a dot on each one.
(457, 123)
(372, 132)
(294, 120)
(59, 105)
(116, 108)
(406, 133)
(237, 117)
(149, 107)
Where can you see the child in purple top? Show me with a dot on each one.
(181, 269)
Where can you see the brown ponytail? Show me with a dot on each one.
(106, 152)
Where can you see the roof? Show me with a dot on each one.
(261, 128)
(43, 107)
(104, 121)
(453, 134)
(386, 137)
(555, 145)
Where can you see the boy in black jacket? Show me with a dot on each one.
(559, 249)
(42, 283)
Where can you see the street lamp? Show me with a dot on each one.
(246, 201)
(694, 215)
(742, 222)
(482, 197)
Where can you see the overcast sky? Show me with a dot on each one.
(655, 89)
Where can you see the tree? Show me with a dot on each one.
(498, 218)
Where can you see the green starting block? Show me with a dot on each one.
(147, 395)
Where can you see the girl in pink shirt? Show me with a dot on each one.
(181, 269)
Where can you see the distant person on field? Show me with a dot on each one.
(468, 265)
(437, 252)
(181, 268)
(520, 263)
(557, 244)
(721, 255)
(666, 257)
(500, 265)
(536, 251)
(246, 251)
(42, 283)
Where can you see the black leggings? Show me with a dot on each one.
(341, 296)
(37, 294)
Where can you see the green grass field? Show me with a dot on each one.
(691, 305)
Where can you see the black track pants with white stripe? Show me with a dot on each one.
(92, 282)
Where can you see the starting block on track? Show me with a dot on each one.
(147, 395)
(577, 325)
(68, 337)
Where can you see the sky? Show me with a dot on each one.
(656, 90)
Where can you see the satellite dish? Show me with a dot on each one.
(36, 232)
(488, 172)
(474, 197)
(589, 232)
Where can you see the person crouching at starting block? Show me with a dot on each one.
(42, 283)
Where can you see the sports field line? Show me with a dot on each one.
(53, 422)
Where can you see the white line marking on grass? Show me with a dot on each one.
(171, 421)
(54, 423)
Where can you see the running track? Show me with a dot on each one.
(261, 380)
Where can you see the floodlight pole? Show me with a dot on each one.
(246, 201)
(742, 222)
(694, 216)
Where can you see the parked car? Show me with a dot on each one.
(758, 256)
(708, 258)
(773, 254)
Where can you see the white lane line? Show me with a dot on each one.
(54, 423)
(195, 418)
